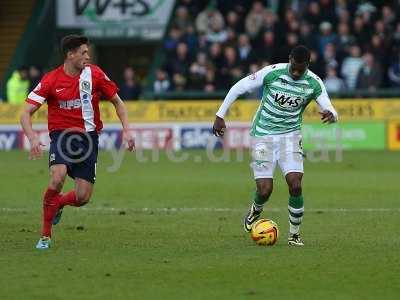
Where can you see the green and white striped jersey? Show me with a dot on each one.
(283, 99)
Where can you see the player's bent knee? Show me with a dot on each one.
(81, 203)
(264, 191)
(295, 188)
(82, 198)
(57, 181)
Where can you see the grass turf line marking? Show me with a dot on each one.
(209, 209)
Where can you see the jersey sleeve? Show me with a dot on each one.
(40, 93)
(106, 86)
(323, 101)
(245, 85)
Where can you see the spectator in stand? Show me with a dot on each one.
(180, 62)
(294, 26)
(307, 37)
(329, 56)
(193, 6)
(233, 22)
(215, 54)
(344, 40)
(179, 81)
(351, 66)
(342, 13)
(197, 72)
(332, 82)
(394, 73)
(268, 49)
(365, 10)
(291, 22)
(191, 39)
(35, 75)
(130, 88)
(182, 18)
(361, 31)
(370, 75)
(327, 8)
(388, 17)
(230, 71)
(380, 29)
(377, 47)
(245, 51)
(326, 36)
(161, 84)
(270, 22)
(202, 44)
(216, 33)
(231, 41)
(292, 40)
(313, 14)
(173, 39)
(209, 84)
(209, 18)
(255, 19)
(18, 86)
(316, 64)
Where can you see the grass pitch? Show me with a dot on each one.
(173, 231)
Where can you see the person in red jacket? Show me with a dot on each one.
(72, 92)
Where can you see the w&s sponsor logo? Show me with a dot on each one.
(288, 101)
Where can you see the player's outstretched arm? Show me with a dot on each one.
(236, 90)
(26, 123)
(241, 87)
(123, 116)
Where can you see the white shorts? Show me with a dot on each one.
(284, 149)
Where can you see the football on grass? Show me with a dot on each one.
(265, 232)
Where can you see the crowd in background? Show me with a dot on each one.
(209, 46)
(22, 81)
(25, 79)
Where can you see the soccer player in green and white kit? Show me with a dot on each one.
(276, 130)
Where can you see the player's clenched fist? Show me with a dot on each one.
(219, 127)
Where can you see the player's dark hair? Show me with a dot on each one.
(72, 42)
(300, 54)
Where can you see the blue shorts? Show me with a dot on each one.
(78, 151)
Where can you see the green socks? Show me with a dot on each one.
(296, 210)
(259, 201)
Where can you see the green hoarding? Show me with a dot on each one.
(346, 136)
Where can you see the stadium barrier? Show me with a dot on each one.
(364, 124)
(394, 135)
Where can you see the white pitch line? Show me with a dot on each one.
(209, 209)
